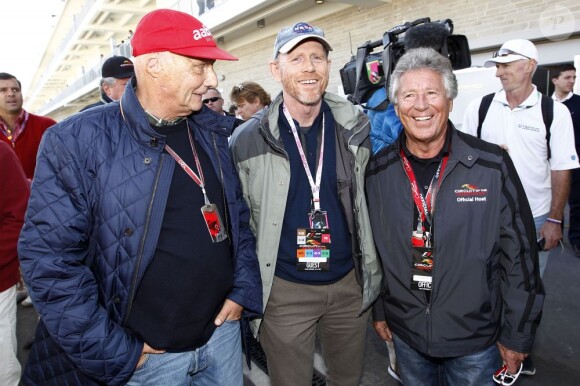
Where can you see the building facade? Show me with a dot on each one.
(248, 29)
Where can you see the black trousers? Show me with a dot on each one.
(574, 202)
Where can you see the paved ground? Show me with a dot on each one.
(556, 354)
(557, 349)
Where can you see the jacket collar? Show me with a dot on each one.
(104, 97)
(345, 114)
(459, 150)
(138, 124)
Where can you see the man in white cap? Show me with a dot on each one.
(537, 133)
(301, 162)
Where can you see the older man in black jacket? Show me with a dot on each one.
(456, 238)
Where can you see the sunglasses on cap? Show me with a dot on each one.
(213, 100)
(502, 376)
(506, 52)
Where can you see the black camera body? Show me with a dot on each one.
(369, 70)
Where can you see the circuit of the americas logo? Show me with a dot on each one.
(471, 193)
(373, 71)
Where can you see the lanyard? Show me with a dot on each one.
(425, 205)
(314, 186)
(199, 180)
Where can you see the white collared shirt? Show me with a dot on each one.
(554, 97)
(523, 133)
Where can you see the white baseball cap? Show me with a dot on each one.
(513, 50)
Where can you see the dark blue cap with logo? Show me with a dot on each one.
(290, 37)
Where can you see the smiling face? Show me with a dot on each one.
(10, 97)
(304, 73)
(423, 108)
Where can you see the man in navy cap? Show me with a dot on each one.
(116, 72)
(301, 162)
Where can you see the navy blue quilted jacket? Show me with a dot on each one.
(91, 230)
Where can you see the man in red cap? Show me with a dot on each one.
(136, 243)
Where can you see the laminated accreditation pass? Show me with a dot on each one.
(313, 249)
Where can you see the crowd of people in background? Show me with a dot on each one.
(282, 213)
(249, 98)
(20, 136)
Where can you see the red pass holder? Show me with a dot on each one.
(213, 221)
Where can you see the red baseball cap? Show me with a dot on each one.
(177, 32)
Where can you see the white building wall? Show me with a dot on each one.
(554, 28)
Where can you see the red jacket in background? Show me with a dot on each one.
(27, 143)
(14, 192)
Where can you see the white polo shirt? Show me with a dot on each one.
(523, 133)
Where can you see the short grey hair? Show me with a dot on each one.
(214, 89)
(421, 59)
(109, 80)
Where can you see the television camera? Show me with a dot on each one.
(369, 70)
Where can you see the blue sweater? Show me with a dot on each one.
(298, 204)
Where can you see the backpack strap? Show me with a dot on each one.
(483, 109)
(547, 105)
(548, 116)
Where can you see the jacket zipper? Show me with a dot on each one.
(142, 246)
(428, 324)
(223, 183)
